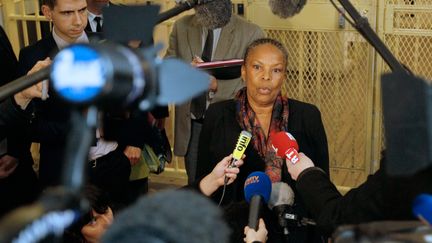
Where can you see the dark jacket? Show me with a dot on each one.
(380, 197)
(8, 61)
(51, 123)
(219, 136)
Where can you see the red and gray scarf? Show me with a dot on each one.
(279, 122)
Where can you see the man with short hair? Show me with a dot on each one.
(50, 126)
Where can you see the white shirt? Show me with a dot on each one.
(62, 43)
(102, 147)
(92, 22)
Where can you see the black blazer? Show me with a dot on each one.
(51, 123)
(8, 61)
(380, 197)
(219, 136)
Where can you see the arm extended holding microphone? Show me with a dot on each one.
(380, 197)
(223, 173)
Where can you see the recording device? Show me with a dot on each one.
(286, 8)
(285, 146)
(257, 189)
(50, 215)
(214, 14)
(281, 203)
(181, 216)
(240, 148)
(181, 7)
(44, 90)
(422, 208)
(109, 75)
(242, 143)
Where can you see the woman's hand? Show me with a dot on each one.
(216, 178)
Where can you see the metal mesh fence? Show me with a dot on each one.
(333, 71)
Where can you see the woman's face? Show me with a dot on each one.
(94, 230)
(264, 73)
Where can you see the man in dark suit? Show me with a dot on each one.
(69, 18)
(95, 17)
(8, 61)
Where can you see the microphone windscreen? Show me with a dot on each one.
(242, 144)
(180, 216)
(281, 194)
(214, 14)
(422, 207)
(286, 8)
(257, 183)
(282, 141)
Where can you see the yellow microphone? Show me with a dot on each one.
(240, 147)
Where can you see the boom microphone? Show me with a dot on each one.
(180, 8)
(257, 188)
(286, 8)
(285, 145)
(215, 14)
(181, 216)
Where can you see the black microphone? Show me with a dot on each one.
(180, 8)
(257, 190)
(286, 8)
(281, 202)
(110, 75)
(181, 216)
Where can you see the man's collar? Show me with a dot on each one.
(62, 43)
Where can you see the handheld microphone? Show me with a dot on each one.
(422, 208)
(286, 8)
(285, 145)
(281, 202)
(257, 188)
(240, 148)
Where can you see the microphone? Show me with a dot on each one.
(285, 145)
(110, 75)
(281, 202)
(181, 216)
(214, 14)
(180, 8)
(286, 8)
(257, 188)
(240, 148)
(422, 208)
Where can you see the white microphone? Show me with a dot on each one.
(281, 202)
